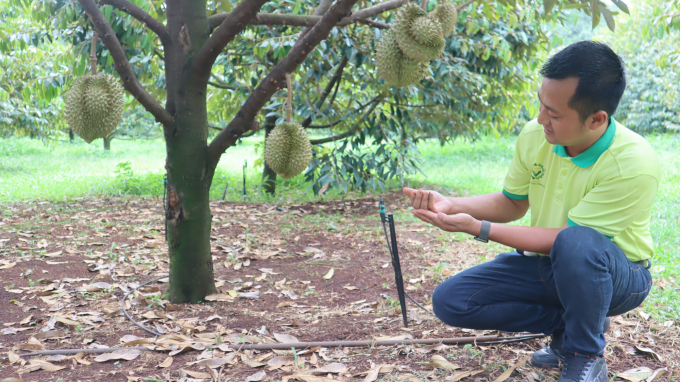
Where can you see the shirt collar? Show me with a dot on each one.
(592, 154)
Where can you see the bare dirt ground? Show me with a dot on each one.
(311, 272)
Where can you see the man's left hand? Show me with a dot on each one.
(450, 223)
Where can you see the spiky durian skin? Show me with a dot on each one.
(94, 106)
(393, 66)
(418, 36)
(287, 150)
(446, 14)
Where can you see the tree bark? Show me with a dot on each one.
(268, 175)
(107, 142)
(189, 176)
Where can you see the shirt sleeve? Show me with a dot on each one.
(516, 185)
(613, 205)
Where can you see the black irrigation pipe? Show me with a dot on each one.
(122, 305)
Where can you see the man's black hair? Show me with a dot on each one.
(602, 78)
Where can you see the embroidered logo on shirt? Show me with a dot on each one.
(537, 173)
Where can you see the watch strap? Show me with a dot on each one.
(484, 232)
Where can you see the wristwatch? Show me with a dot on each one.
(484, 232)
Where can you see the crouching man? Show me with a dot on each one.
(590, 183)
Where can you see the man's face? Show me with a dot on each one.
(561, 124)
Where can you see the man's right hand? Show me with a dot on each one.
(429, 200)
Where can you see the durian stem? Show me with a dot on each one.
(289, 105)
(423, 4)
(93, 54)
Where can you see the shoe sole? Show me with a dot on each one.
(544, 365)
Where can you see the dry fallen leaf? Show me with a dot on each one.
(13, 357)
(213, 363)
(254, 294)
(126, 354)
(432, 348)
(636, 375)
(166, 363)
(285, 338)
(442, 363)
(37, 364)
(250, 362)
(33, 345)
(256, 377)
(509, 371)
(281, 360)
(372, 374)
(657, 373)
(330, 368)
(12, 380)
(650, 351)
(458, 376)
(195, 374)
(219, 297)
(329, 275)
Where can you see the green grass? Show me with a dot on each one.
(31, 170)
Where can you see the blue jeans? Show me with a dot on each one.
(586, 278)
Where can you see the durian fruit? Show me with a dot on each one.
(94, 106)
(287, 150)
(393, 66)
(418, 36)
(446, 15)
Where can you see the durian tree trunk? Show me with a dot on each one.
(268, 175)
(107, 142)
(189, 172)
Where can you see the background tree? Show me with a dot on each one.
(190, 38)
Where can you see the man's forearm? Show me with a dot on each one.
(533, 239)
(494, 207)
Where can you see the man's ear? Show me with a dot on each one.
(597, 119)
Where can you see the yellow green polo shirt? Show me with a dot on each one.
(610, 187)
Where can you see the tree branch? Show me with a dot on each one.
(222, 85)
(319, 11)
(352, 131)
(375, 24)
(323, 126)
(159, 54)
(308, 21)
(138, 13)
(270, 84)
(329, 87)
(130, 82)
(465, 4)
(230, 26)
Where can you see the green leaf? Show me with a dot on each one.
(596, 12)
(548, 5)
(622, 6)
(575, 6)
(224, 6)
(611, 24)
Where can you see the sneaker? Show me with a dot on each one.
(547, 358)
(583, 368)
(552, 355)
